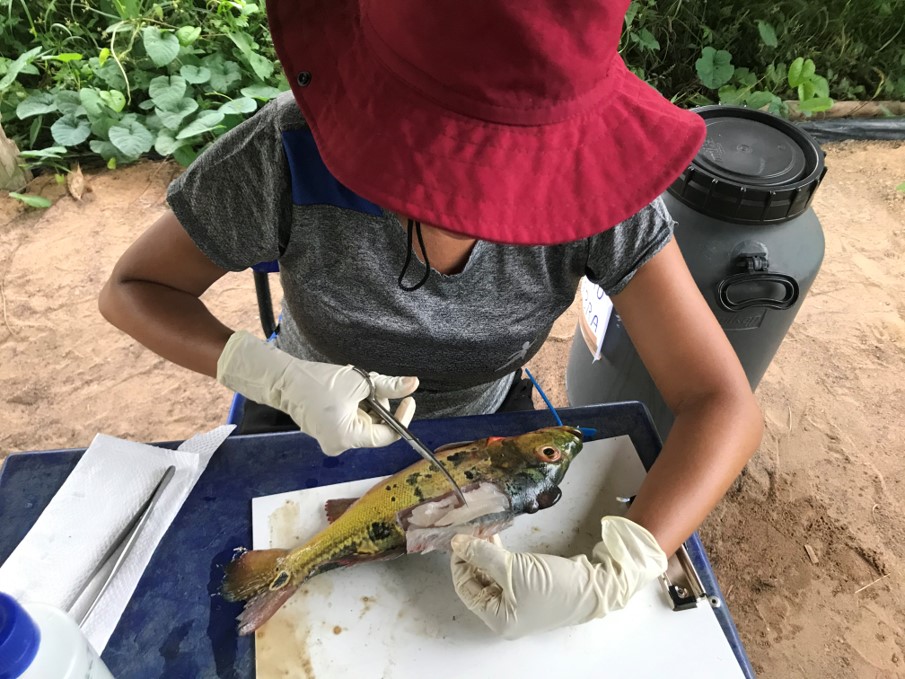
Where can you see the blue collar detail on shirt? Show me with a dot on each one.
(312, 183)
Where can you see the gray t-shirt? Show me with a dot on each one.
(463, 335)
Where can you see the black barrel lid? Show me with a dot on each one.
(754, 167)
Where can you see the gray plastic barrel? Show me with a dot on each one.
(751, 240)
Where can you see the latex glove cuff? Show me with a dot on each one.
(626, 559)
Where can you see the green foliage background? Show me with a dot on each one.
(120, 79)
(857, 45)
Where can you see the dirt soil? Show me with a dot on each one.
(829, 477)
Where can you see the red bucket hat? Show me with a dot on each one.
(512, 122)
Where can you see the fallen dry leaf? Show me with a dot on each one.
(75, 182)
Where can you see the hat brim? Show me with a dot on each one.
(520, 185)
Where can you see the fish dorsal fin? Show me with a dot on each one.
(336, 508)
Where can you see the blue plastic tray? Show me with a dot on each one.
(175, 625)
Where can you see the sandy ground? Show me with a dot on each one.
(830, 473)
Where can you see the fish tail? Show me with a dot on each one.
(253, 572)
(260, 608)
(263, 580)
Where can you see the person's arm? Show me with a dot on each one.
(718, 424)
(717, 428)
(154, 295)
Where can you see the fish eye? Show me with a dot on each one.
(548, 454)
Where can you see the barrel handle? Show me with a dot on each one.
(788, 282)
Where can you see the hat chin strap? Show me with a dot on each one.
(414, 226)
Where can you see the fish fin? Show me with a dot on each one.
(261, 607)
(251, 573)
(336, 508)
(354, 559)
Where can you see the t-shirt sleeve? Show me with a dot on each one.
(235, 197)
(615, 255)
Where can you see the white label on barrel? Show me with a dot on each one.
(596, 308)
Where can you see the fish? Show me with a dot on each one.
(412, 511)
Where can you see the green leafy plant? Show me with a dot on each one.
(117, 80)
(714, 67)
(126, 78)
(767, 33)
(31, 201)
(745, 53)
(741, 86)
(813, 90)
(52, 157)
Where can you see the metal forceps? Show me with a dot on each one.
(403, 431)
(128, 535)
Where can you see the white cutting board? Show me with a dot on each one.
(401, 619)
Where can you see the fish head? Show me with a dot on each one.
(534, 464)
(551, 449)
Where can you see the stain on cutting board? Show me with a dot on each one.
(284, 526)
(282, 644)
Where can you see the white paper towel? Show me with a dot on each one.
(108, 486)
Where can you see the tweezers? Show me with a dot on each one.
(409, 437)
(129, 533)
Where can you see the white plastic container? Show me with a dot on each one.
(42, 642)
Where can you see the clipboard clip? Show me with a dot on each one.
(681, 581)
(684, 588)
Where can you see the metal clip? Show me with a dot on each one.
(685, 588)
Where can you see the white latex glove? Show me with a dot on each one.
(324, 400)
(517, 594)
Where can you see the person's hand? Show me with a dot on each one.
(517, 594)
(324, 400)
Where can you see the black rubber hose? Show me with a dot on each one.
(864, 129)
